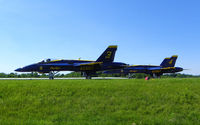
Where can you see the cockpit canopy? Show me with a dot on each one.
(47, 60)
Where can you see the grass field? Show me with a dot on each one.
(100, 102)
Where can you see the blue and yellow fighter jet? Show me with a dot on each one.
(167, 66)
(87, 68)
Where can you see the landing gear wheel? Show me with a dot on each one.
(88, 77)
(52, 74)
(130, 76)
(154, 76)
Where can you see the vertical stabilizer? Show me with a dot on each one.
(108, 55)
(169, 62)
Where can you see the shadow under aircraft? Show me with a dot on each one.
(167, 66)
(87, 68)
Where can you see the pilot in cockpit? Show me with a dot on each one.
(48, 60)
(44, 61)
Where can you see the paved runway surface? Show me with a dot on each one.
(61, 78)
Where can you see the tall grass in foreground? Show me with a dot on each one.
(100, 102)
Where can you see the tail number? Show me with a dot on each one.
(109, 53)
(170, 62)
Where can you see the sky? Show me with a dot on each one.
(146, 31)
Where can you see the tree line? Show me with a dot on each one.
(78, 74)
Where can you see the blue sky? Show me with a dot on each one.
(146, 31)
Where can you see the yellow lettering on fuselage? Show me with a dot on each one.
(55, 68)
(156, 71)
(83, 68)
(41, 68)
(133, 70)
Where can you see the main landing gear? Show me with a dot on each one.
(87, 75)
(52, 74)
(130, 75)
(154, 75)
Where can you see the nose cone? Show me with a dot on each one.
(19, 70)
(29, 68)
(124, 65)
(179, 69)
(121, 65)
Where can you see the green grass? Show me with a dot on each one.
(100, 102)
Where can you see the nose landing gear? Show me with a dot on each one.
(52, 74)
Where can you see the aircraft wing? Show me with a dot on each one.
(161, 68)
(57, 64)
(90, 66)
(167, 68)
(155, 68)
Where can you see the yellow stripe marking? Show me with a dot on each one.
(175, 56)
(112, 46)
(91, 63)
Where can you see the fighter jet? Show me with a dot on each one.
(167, 66)
(86, 67)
